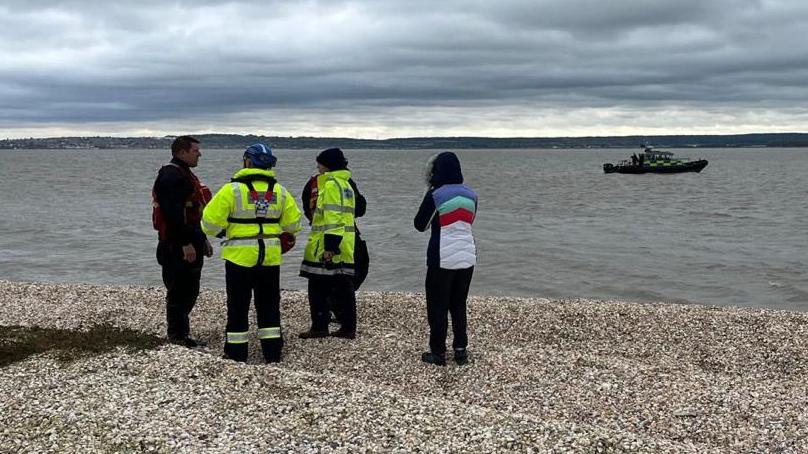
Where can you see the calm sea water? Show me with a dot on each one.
(550, 222)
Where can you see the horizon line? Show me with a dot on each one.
(403, 138)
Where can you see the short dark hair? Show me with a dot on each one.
(182, 143)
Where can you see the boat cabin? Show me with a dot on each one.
(652, 155)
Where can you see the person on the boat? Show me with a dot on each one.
(641, 158)
(634, 159)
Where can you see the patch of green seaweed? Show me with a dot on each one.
(19, 342)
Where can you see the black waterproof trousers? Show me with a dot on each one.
(361, 261)
(182, 288)
(341, 290)
(446, 292)
(243, 283)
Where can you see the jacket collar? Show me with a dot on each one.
(253, 171)
(343, 174)
(180, 162)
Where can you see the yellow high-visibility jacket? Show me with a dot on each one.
(333, 217)
(252, 235)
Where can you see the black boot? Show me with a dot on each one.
(433, 358)
(187, 342)
(272, 358)
(460, 356)
(312, 334)
(344, 334)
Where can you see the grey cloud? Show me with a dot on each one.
(74, 62)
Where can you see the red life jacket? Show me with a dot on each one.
(194, 203)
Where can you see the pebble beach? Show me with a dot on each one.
(544, 375)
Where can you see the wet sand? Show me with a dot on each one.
(581, 375)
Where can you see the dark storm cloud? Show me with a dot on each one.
(72, 62)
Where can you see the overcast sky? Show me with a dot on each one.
(378, 69)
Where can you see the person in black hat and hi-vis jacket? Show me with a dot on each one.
(328, 261)
(361, 255)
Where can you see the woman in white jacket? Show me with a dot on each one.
(449, 207)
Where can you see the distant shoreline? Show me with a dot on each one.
(759, 140)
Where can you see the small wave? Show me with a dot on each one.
(711, 214)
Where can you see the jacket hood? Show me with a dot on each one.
(343, 174)
(445, 169)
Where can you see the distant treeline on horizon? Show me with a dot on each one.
(241, 141)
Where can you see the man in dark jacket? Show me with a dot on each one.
(178, 198)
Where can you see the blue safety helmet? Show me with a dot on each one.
(260, 155)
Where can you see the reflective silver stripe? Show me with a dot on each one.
(283, 199)
(338, 208)
(269, 333)
(238, 338)
(323, 228)
(326, 272)
(237, 197)
(243, 214)
(250, 214)
(211, 227)
(251, 241)
(291, 228)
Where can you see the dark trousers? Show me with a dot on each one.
(361, 268)
(361, 261)
(446, 292)
(182, 288)
(242, 283)
(341, 290)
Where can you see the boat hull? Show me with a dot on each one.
(690, 166)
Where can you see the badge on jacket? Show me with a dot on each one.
(261, 208)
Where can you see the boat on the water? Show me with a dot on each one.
(654, 161)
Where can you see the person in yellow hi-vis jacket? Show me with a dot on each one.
(328, 261)
(259, 219)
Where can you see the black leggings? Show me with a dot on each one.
(446, 292)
